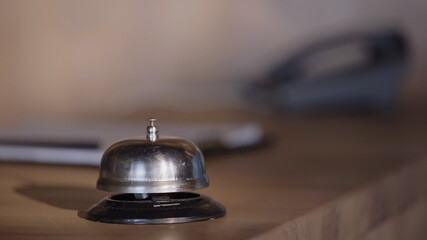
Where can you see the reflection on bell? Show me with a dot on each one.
(152, 174)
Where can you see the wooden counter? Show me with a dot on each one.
(320, 178)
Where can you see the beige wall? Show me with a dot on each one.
(84, 58)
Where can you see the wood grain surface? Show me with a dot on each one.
(319, 178)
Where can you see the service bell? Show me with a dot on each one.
(153, 174)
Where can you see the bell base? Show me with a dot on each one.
(159, 208)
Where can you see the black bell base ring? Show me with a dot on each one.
(160, 208)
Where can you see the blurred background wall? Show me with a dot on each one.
(94, 58)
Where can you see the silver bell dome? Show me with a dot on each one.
(152, 164)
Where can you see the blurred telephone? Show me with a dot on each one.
(360, 71)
